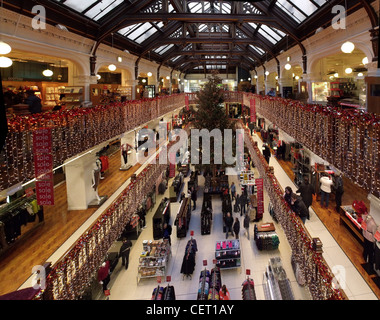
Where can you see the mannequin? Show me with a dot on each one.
(125, 151)
(369, 237)
(95, 180)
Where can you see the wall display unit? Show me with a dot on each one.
(182, 220)
(176, 187)
(161, 217)
(71, 96)
(154, 259)
(228, 254)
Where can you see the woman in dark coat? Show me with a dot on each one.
(236, 228)
(306, 191)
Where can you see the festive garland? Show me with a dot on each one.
(349, 139)
(75, 131)
(315, 270)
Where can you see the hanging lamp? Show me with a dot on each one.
(5, 62)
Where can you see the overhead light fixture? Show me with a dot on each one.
(150, 74)
(348, 70)
(365, 60)
(297, 77)
(5, 48)
(249, 79)
(267, 73)
(167, 78)
(119, 59)
(347, 47)
(331, 77)
(360, 74)
(276, 77)
(336, 75)
(255, 77)
(47, 73)
(98, 76)
(288, 66)
(5, 62)
(143, 80)
(111, 67)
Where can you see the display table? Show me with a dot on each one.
(228, 254)
(266, 237)
(347, 218)
(154, 259)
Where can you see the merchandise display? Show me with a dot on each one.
(266, 237)
(206, 214)
(161, 217)
(164, 293)
(153, 259)
(228, 254)
(248, 290)
(183, 217)
(188, 263)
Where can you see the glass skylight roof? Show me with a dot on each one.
(299, 10)
(161, 50)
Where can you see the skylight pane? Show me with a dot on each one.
(272, 33)
(257, 49)
(79, 5)
(146, 34)
(141, 30)
(196, 8)
(163, 49)
(306, 6)
(290, 10)
(125, 30)
(226, 8)
(102, 8)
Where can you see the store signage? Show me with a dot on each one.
(168, 278)
(260, 196)
(204, 263)
(43, 166)
(248, 272)
(45, 193)
(172, 165)
(252, 110)
(159, 279)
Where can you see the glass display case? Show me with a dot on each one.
(320, 91)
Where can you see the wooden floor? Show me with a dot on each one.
(59, 224)
(330, 218)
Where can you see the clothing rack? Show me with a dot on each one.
(215, 284)
(204, 285)
(248, 290)
(188, 263)
(206, 214)
(183, 218)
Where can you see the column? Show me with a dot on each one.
(85, 81)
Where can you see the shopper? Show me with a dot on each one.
(104, 275)
(246, 224)
(34, 102)
(194, 197)
(233, 191)
(299, 207)
(125, 249)
(228, 221)
(243, 201)
(266, 152)
(271, 92)
(236, 228)
(288, 194)
(223, 293)
(306, 191)
(339, 190)
(167, 233)
(326, 183)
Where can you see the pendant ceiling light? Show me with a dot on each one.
(347, 47)
(5, 62)
(348, 70)
(111, 67)
(365, 60)
(47, 73)
(5, 48)
(150, 74)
